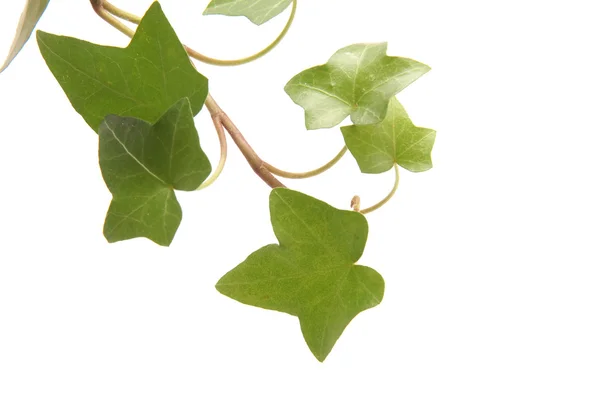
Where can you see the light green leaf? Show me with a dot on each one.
(312, 272)
(257, 11)
(358, 80)
(29, 18)
(377, 147)
(142, 80)
(142, 164)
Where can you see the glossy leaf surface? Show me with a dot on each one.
(257, 11)
(357, 81)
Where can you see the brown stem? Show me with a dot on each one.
(256, 163)
(216, 112)
(96, 4)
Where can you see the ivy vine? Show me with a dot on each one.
(141, 100)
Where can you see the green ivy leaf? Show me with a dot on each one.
(29, 18)
(358, 80)
(142, 164)
(311, 273)
(257, 11)
(142, 80)
(377, 147)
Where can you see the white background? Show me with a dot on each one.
(491, 259)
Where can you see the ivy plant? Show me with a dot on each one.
(141, 101)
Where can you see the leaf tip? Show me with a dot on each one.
(320, 357)
(155, 5)
(320, 353)
(155, 8)
(41, 36)
(219, 287)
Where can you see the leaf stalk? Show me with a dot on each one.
(98, 6)
(356, 201)
(223, 157)
(312, 173)
(122, 14)
(105, 9)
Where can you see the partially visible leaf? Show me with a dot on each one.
(142, 80)
(29, 18)
(142, 164)
(312, 273)
(257, 11)
(377, 147)
(358, 80)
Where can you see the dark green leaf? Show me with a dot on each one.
(142, 164)
(377, 147)
(312, 272)
(29, 18)
(358, 80)
(257, 11)
(142, 80)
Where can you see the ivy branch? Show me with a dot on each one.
(107, 11)
(142, 100)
